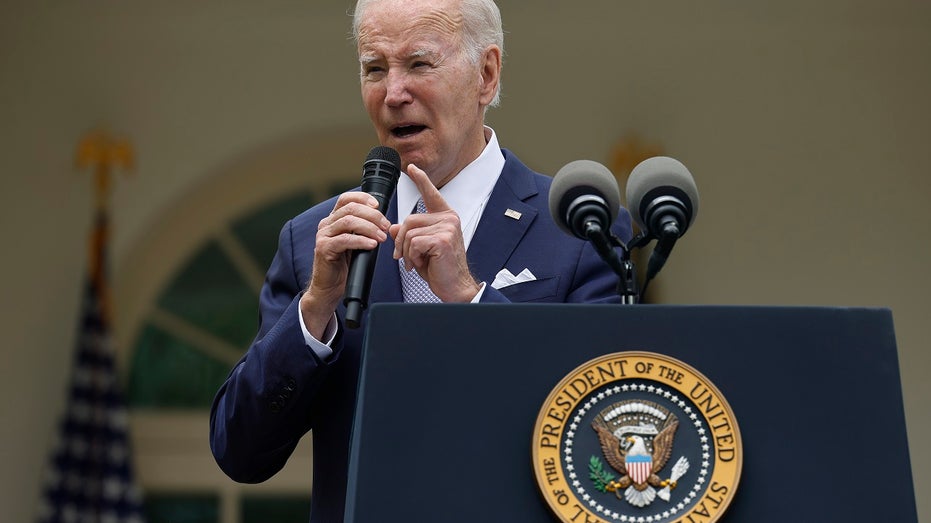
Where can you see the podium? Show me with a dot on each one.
(449, 395)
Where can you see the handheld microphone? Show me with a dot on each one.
(380, 173)
(663, 199)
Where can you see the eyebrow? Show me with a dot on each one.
(368, 58)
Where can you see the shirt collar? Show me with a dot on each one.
(468, 191)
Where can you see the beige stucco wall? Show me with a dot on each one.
(805, 124)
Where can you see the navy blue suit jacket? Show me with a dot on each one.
(280, 389)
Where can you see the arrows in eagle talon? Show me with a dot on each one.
(678, 470)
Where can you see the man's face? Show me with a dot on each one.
(422, 93)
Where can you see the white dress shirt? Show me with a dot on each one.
(467, 194)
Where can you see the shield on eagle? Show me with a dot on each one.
(639, 468)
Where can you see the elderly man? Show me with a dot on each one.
(429, 71)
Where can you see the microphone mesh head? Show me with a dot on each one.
(582, 177)
(387, 154)
(655, 173)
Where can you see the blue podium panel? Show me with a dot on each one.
(449, 395)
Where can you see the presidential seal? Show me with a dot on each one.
(636, 437)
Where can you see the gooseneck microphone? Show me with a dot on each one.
(661, 196)
(584, 200)
(380, 174)
(663, 199)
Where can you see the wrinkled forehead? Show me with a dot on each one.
(396, 21)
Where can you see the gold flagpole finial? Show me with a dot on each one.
(100, 150)
(629, 151)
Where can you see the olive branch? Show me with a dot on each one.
(598, 474)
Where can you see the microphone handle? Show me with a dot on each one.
(358, 285)
(362, 262)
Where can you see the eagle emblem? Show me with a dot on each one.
(636, 439)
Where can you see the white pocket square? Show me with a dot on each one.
(504, 278)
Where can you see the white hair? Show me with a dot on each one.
(481, 27)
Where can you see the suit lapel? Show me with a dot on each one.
(505, 220)
(498, 234)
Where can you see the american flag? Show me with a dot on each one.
(90, 477)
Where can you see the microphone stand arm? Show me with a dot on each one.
(605, 244)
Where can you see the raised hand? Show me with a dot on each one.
(431, 243)
(355, 223)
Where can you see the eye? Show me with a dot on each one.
(372, 70)
(420, 64)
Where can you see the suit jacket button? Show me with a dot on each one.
(274, 406)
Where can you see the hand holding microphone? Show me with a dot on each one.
(380, 173)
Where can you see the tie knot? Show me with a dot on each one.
(421, 207)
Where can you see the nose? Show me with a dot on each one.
(396, 89)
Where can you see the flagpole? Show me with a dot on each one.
(102, 152)
(90, 474)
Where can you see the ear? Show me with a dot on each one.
(491, 74)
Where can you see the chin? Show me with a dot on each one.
(412, 157)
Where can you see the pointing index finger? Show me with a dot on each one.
(431, 195)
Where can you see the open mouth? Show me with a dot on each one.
(403, 131)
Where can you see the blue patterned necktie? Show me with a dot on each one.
(415, 288)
